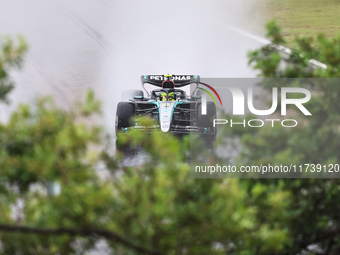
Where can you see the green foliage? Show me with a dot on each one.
(92, 105)
(274, 32)
(314, 206)
(11, 56)
(155, 205)
(161, 206)
(296, 65)
(42, 145)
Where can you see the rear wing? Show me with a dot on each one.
(179, 80)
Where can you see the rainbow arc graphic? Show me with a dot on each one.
(209, 93)
(204, 100)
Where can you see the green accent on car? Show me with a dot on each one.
(209, 94)
(157, 104)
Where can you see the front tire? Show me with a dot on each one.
(125, 112)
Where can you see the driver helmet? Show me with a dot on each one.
(163, 96)
(171, 96)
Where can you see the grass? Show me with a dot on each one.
(303, 17)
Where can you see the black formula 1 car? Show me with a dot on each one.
(175, 111)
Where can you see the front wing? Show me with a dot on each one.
(185, 118)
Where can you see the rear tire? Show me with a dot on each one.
(129, 94)
(199, 92)
(207, 121)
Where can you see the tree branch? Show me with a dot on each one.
(321, 238)
(80, 232)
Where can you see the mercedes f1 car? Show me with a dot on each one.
(174, 110)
